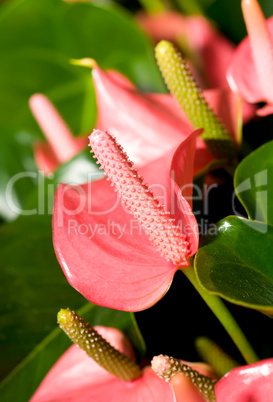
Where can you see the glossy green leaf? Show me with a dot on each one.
(254, 183)
(22, 382)
(25, 72)
(234, 261)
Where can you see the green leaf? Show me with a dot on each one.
(28, 71)
(234, 261)
(254, 183)
(107, 33)
(87, 30)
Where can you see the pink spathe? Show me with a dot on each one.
(247, 383)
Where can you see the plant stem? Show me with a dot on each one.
(190, 7)
(153, 6)
(224, 316)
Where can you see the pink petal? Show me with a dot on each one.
(144, 127)
(261, 45)
(149, 125)
(104, 254)
(120, 79)
(181, 181)
(76, 377)
(242, 74)
(247, 383)
(167, 25)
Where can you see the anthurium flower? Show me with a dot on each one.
(61, 145)
(247, 383)
(250, 70)
(77, 377)
(110, 252)
(148, 125)
(210, 51)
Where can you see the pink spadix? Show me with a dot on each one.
(55, 129)
(139, 199)
(62, 145)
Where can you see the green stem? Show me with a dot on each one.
(153, 6)
(190, 7)
(224, 316)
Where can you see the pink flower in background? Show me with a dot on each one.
(247, 383)
(210, 49)
(76, 377)
(61, 145)
(149, 125)
(250, 70)
(113, 257)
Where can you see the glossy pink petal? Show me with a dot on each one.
(249, 72)
(149, 125)
(247, 383)
(76, 377)
(62, 145)
(101, 248)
